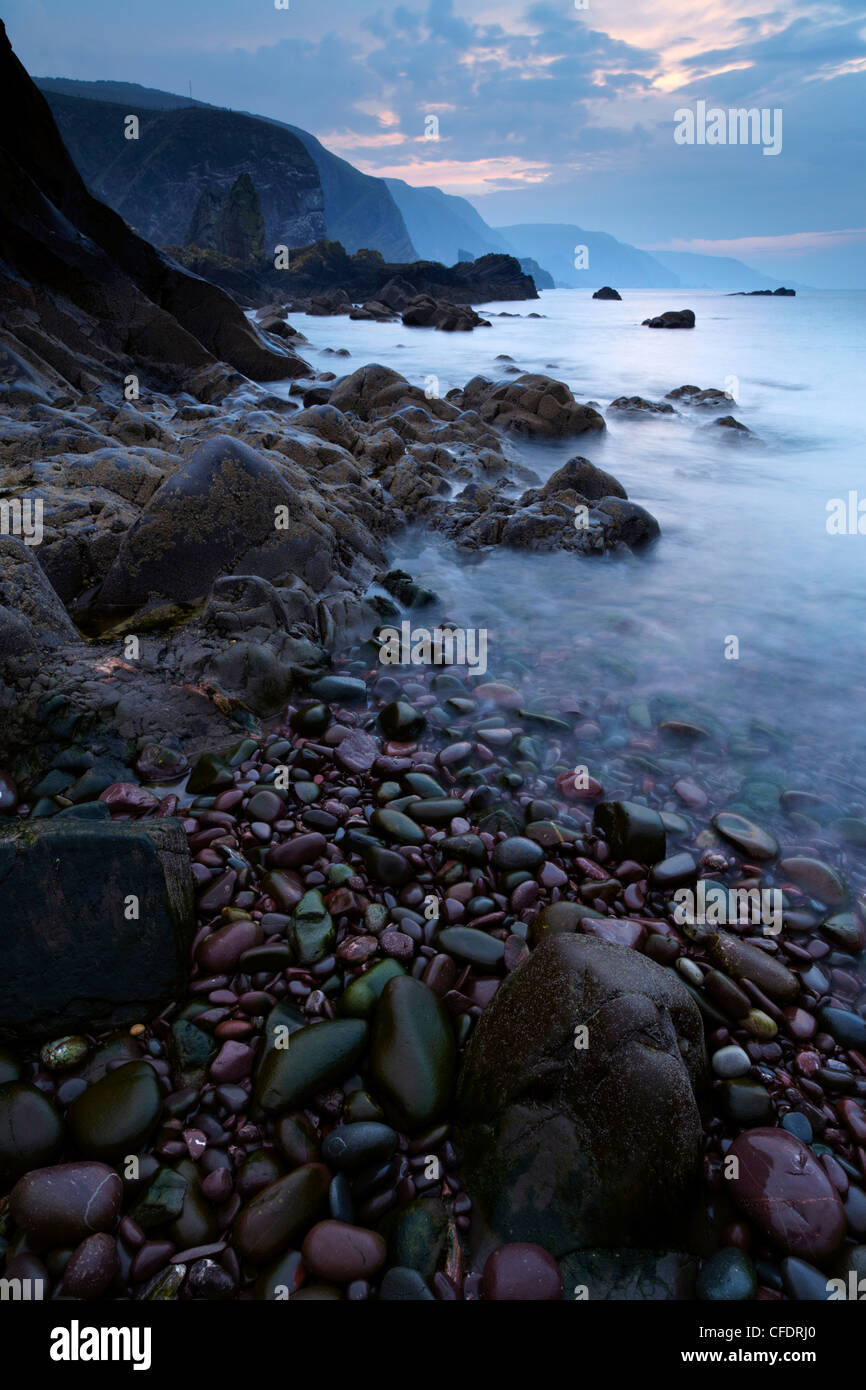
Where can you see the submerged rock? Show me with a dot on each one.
(639, 407)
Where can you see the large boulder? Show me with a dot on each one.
(426, 312)
(574, 1141)
(532, 405)
(580, 476)
(629, 523)
(96, 920)
(607, 293)
(217, 515)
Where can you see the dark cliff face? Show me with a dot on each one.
(79, 291)
(156, 181)
(359, 210)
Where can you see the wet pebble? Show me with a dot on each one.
(521, 1273)
(341, 1253)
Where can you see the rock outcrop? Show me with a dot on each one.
(672, 318)
(326, 269)
(638, 408)
(426, 312)
(607, 293)
(708, 399)
(531, 405)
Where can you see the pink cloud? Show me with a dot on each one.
(790, 244)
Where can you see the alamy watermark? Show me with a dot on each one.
(711, 904)
(846, 517)
(77, 1343)
(441, 646)
(736, 126)
(22, 518)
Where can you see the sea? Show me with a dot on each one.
(750, 546)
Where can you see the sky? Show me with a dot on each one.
(545, 112)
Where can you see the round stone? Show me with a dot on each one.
(817, 879)
(412, 1054)
(92, 1269)
(782, 1188)
(401, 722)
(517, 853)
(221, 951)
(313, 1059)
(797, 1124)
(727, 1277)
(748, 837)
(467, 943)
(731, 1061)
(848, 1029)
(401, 1285)
(277, 1216)
(63, 1204)
(354, 1146)
(395, 826)
(341, 1253)
(118, 1114)
(521, 1273)
(31, 1130)
(265, 806)
(64, 1053)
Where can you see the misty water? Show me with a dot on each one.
(745, 549)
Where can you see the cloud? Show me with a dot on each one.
(790, 245)
(546, 112)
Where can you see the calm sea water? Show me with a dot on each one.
(745, 550)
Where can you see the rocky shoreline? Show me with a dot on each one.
(404, 905)
(328, 978)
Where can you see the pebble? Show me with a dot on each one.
(412, 1054)
(342, 1253)
(61, 1205)
(31, 1130)
(92, 1269)
(848, 1029)
(748, 837)
(467, 943)
(783, 1189)
(521, 1273)
(727, 1276)
(351, 1147)
(517, 852)
(314, 1057)
(118, 1114)
(817, 879)
(731, 1062)
(281, 1213)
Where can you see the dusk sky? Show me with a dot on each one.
(546, 112)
